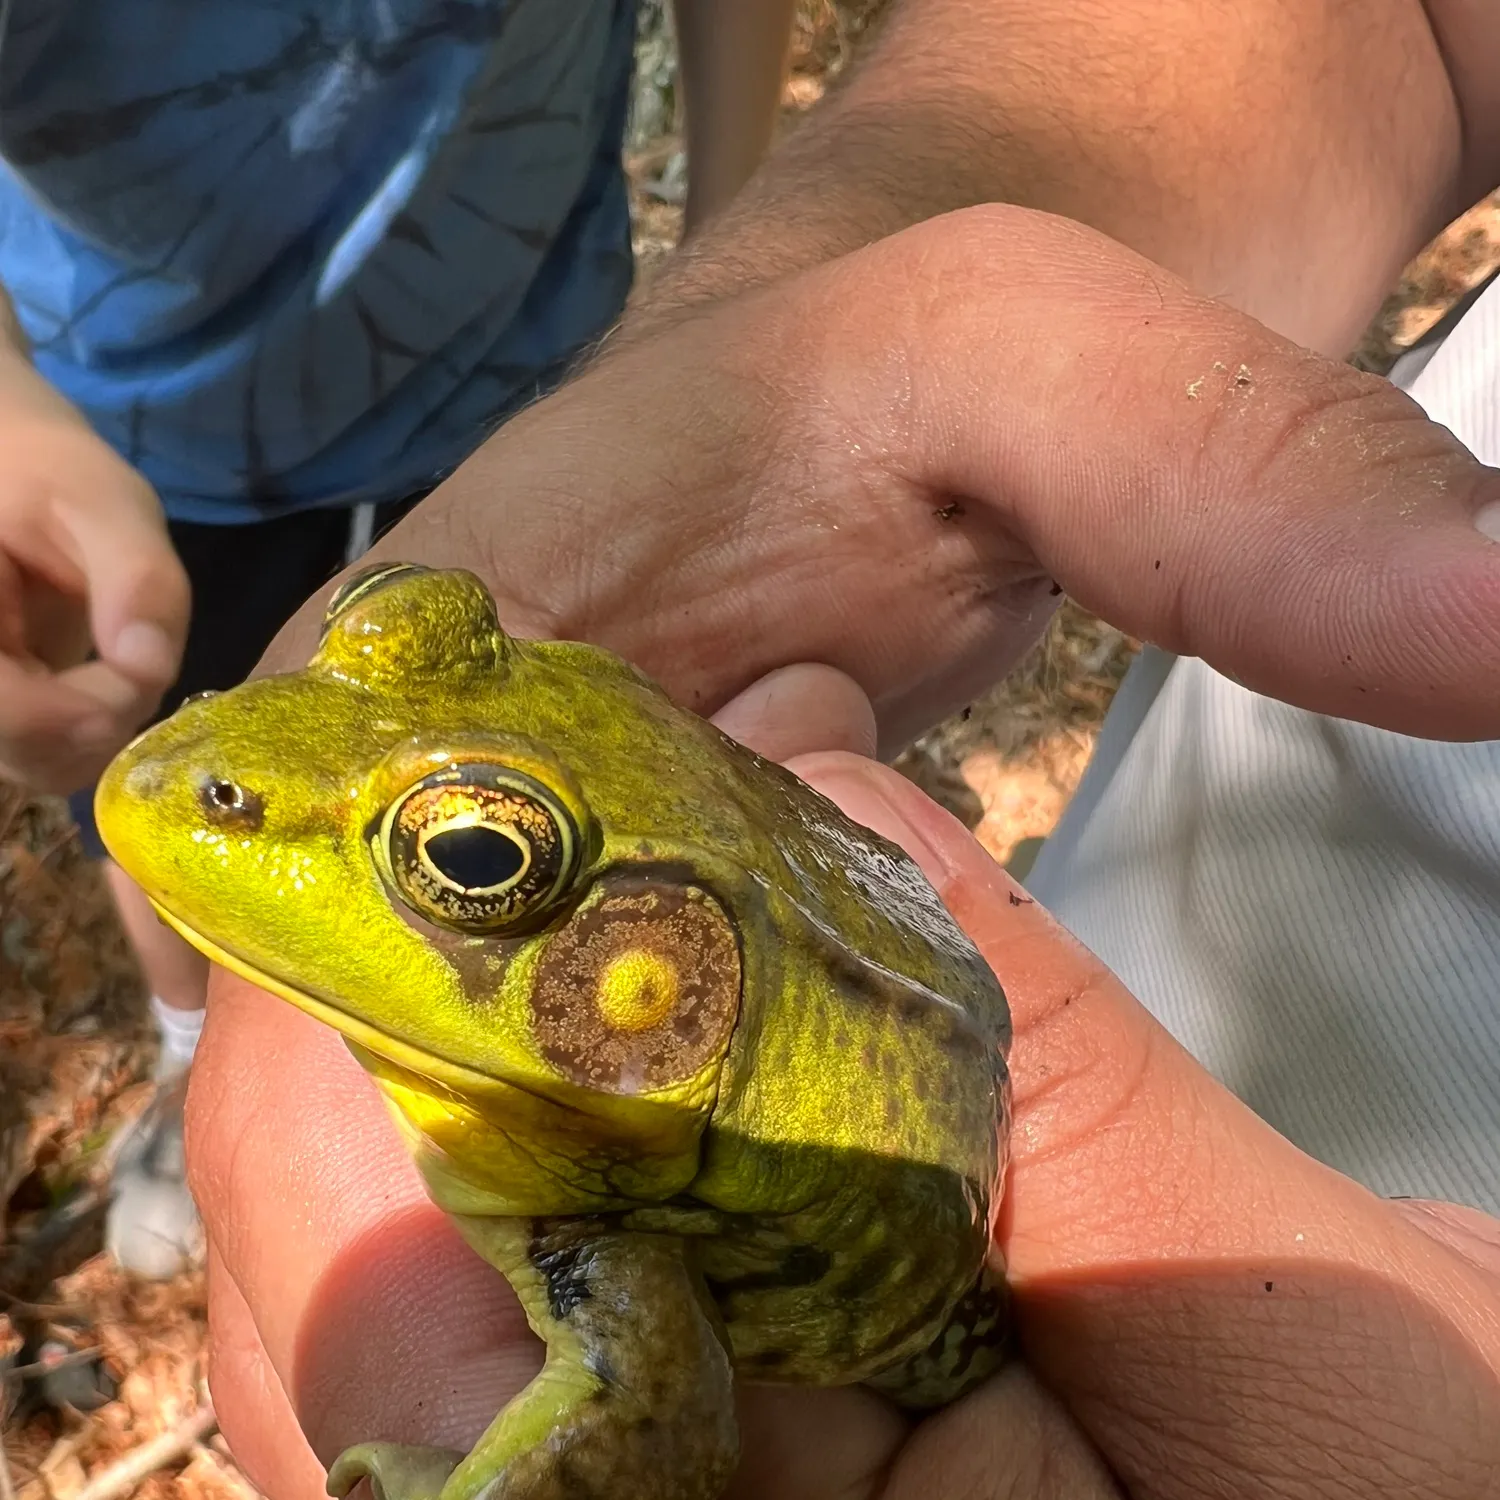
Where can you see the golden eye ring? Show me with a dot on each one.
(479, 847)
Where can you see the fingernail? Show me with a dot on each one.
(145, 650)
(885, 801)
(1487, 522)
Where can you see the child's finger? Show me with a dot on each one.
(137, 589)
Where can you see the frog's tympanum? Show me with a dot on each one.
(701, 1066)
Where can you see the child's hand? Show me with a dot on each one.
(84, 561)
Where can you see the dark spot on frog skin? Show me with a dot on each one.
(565, 1270)
(910, 1009)
(769, 1359)
(801, 1265)
(866, 1278)
(1019, 900)
(572, 1482)
(981, 1338)
(928, 1312)
(954, 1034)
(480, 963)
(1270, 1286)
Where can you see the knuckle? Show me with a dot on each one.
(158, 585)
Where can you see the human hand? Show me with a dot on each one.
(892, 464)
(1210, 1310)
(84, 560)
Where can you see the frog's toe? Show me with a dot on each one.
(395, 1471)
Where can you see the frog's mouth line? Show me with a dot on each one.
(425, 1064)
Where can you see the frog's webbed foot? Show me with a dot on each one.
(395, 1471)
(635, 1401)
(975, 1342)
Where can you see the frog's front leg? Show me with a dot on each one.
(635, 1401)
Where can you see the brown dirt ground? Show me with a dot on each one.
(75, 1046)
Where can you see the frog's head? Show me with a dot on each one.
(398, 840)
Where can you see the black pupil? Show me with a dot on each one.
(223, 794)
(475, 858)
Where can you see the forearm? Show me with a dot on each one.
(1286, 155)
(732, 65)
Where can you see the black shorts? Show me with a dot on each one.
(248, 581)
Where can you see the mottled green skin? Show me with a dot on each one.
(829, 1175)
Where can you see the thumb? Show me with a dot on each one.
(1178, 468)
(137, 589)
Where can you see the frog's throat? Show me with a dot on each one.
(414, 1059)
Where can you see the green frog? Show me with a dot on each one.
(701, 1066)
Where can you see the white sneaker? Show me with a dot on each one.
(152, 1228)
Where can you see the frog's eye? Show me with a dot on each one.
(362, 584)
(479, 847)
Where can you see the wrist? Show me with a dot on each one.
(1222, 149)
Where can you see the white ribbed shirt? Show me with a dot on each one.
(1312, 906)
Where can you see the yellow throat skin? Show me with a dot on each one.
(705, 1069)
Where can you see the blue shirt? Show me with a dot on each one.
(289, 253)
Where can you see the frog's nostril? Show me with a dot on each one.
(230, 805)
